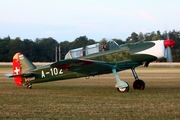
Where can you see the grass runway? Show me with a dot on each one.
(95, 98)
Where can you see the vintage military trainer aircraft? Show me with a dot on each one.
(94, 60)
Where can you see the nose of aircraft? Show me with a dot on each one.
(169, 43)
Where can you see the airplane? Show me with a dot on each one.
(94, 60)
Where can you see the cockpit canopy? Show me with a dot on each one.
(91, 49)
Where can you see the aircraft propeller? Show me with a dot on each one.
(169, 43)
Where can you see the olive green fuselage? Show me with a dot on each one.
(121, 57)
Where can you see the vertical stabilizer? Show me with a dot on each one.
(21, 65)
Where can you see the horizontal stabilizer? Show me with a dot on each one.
(8, 75)
(23, 75)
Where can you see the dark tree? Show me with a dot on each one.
(64, 48)
(79, 42)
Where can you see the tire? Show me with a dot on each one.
(122, 90)
(139, 85)
(29, 86)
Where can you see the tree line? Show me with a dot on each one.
(43, 50)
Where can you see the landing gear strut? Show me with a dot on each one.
(138, 84)
(121, 86)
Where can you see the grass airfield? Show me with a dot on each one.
(94, 98)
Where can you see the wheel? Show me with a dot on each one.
(125, 89)
(29, 86)
(139, 85)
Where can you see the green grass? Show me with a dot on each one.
(95, 98)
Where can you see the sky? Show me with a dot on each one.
(95, 19)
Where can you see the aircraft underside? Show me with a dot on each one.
(93, 61)
(121, 85)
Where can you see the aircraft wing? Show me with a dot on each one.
(92, 67)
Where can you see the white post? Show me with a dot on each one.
(55, 54)
(59, 52)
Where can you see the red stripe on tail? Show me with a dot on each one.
(17, 69)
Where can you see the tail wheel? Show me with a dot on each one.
(139, 85)
(29, 86)
(125, 89)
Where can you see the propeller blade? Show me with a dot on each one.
(169, 55)
(167, 36)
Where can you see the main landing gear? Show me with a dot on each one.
(138, 84)
(123, 86)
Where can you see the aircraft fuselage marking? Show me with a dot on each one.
(17, 70)
(52, 72)
(28, 79)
